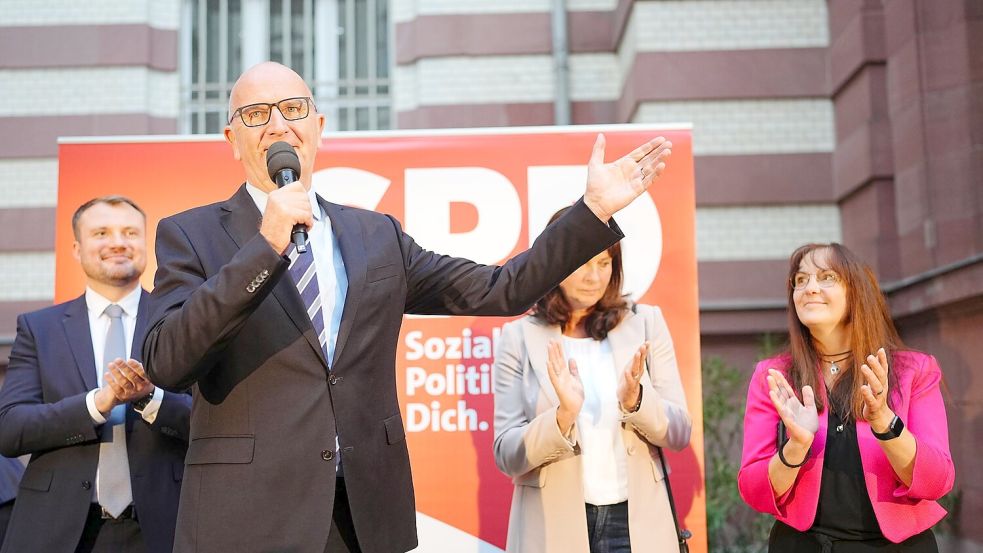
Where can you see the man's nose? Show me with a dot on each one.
(117, 240)
(277, 124)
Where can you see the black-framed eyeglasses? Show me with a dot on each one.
(257, 115)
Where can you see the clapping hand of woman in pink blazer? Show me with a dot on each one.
(801, 420)
(800, 417)
(875, 391)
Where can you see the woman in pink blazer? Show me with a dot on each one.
(580, 438)
(845, 437)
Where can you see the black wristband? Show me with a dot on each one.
(781, 457)
(140, 404)
(638, 404)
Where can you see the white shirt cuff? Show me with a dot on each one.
(90, 402)
(149, 412)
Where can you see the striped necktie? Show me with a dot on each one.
(304, 274)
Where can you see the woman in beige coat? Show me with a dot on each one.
(579, 438)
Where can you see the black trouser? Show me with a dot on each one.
(607, 528)
(342, 538)
(784, 538)
(102, 535)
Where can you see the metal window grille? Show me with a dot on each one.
(340, 47)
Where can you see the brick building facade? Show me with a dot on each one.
(858, 121)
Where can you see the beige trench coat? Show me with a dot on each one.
(548, 513)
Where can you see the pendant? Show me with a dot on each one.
(833, 369)
(839, 428)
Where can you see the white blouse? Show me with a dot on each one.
(603, 456)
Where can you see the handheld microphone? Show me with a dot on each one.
(284, 167)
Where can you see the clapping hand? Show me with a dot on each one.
(566, 381)
(800, 417)
(876, 412)
(612, 186)
(124, 381)
(629, 382)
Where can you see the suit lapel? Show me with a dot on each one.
(538, 336)
(143, 314)
(350, 239)
(241, 220)
(240, 217)
(76, 324)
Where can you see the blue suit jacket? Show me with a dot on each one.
(10, 474)
(43, 413)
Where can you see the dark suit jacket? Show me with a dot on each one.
(11, 471)
(43, 412)
(260, 472)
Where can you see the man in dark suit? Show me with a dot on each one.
(297, 440)
(107, 447)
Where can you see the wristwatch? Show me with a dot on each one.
(893, 430)
(141, 404)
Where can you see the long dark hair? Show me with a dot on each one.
(870, 328)
(554, 309)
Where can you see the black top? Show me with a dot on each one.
(844, 510)
(845, 520)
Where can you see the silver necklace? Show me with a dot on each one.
(833, 367)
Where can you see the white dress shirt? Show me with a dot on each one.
(96, 305)
(603, 456)
(98, 329)
(332, 280)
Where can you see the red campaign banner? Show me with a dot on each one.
(484, 194)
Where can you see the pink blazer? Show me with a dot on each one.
(901, 511)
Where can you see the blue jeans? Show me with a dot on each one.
(607, 528)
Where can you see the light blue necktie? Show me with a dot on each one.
(113, 483)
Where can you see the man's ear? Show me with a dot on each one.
(77, 251)
(230, 137)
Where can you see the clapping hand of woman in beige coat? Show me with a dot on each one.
(569, 388)
(630, 381)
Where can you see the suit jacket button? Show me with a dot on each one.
(86, 485)
(327, 454)
(333, 379)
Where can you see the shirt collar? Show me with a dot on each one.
(97, 303)
(260, 198)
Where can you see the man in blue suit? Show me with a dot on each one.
(107, 447)
(10, 473)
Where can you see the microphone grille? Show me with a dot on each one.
(282, 156)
